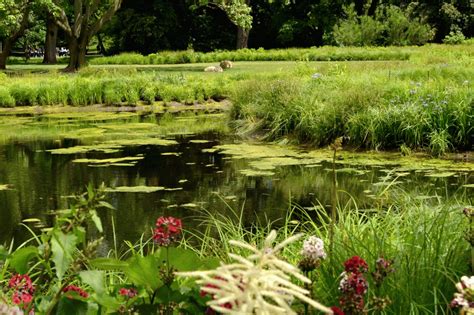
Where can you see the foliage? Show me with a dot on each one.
(425, 239)
(390, 26)
(454, 38)
(416, 107)
(88, 18)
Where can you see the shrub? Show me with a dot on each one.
(390, 26)
(24, 94)
(454, 38)
(6, 100)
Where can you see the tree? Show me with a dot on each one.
(238, 12)
(14, 18)
(50, 41)
(86, 18)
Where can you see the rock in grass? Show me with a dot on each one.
(213, 69)
(226, 64)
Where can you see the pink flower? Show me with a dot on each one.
(22, 283)
(336, 310)
(16, 298)
(129, 293)
(79, 291)
(168, 230)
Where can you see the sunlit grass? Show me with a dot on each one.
(425, 238)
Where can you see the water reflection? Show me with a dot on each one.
(41, 181)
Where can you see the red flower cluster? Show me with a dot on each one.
(23, 290)
(73, 288)
(354, 286)
(383, 268)
(356, 265)
(129, 293)
(203, 293)
(167, 230)
(336, 310)
(354, 283)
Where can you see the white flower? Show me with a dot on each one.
(10, 310)
(257, 284)
(468, 282)
(313, 248)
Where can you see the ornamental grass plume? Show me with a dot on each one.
(256, 284)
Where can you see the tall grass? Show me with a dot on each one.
(326, 53)
(425, 239)
(109, 87)
(418, 107)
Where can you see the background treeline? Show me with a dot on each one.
(149, 26)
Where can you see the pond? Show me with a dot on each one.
(186, 166)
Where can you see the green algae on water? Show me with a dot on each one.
(136, 189)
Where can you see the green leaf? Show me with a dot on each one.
(20, 258)
(106, 205)
(181, 259)
(95, 279)
(107, 301)
(97, 221)
(108, 264)
(62, 246)
(144, 271)
(166, 295)
(76, 307)
(3, 253)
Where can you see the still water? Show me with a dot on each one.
(193, 173)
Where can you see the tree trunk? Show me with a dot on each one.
(77, 54)
(373, 7)
(50, 41)
(242, 37)
(5, 53)
(359, 7)
(100, 45)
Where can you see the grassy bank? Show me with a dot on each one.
(425, 239)
(417, 107)
(108, 87)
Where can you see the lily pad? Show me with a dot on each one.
(31, 220)
(468, 186)
(109, 161)
(171, 153)
(103, 148)
(441, 175)
(249, 172)
(189, 205)
(136, 189)
(4, 187)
